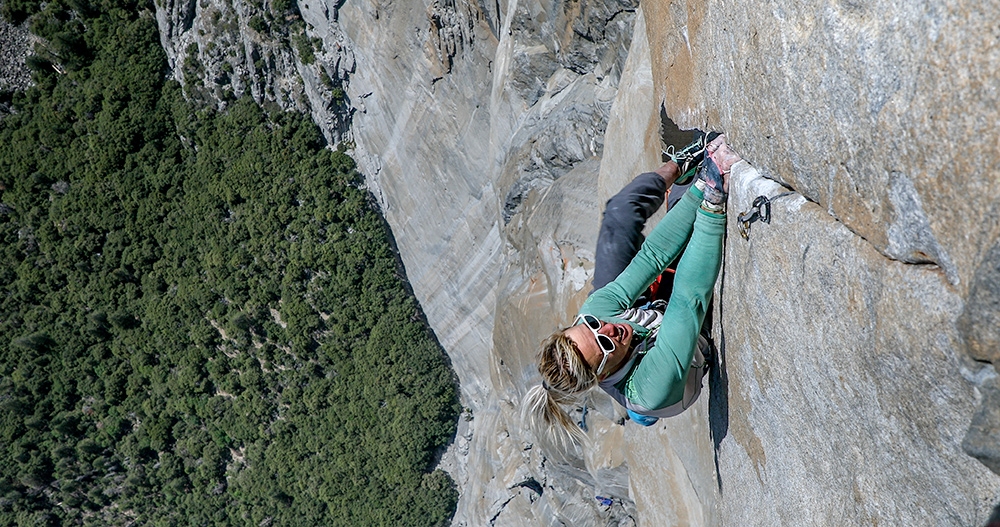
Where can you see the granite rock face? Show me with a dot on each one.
(856, 381)
(468, 116)
(881, 113)
(846, 379)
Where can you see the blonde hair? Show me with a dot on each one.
(565, 376)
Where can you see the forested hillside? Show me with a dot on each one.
(202, 321)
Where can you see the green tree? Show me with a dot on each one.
(204, 321)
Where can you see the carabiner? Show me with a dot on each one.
(759, 210)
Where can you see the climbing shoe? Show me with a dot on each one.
(689, 157)
(712, 183)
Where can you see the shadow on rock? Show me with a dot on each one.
(718, 399)
(979, 325)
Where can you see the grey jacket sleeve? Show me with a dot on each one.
(625, 214)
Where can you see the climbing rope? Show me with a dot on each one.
(759, 210)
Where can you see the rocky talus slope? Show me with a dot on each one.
(15, 45)
(859, 328)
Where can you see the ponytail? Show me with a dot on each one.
(565, 376)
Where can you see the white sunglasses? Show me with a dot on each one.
(606, 344)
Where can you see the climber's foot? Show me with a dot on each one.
(689, 157)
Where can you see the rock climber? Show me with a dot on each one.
(650, 358)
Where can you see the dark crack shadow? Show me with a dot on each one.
(718, 381)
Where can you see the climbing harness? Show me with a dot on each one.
(759, 210)
(649, 316)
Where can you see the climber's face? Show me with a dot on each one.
(602, 345)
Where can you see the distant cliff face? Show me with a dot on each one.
(858, 328)
(278, 52)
